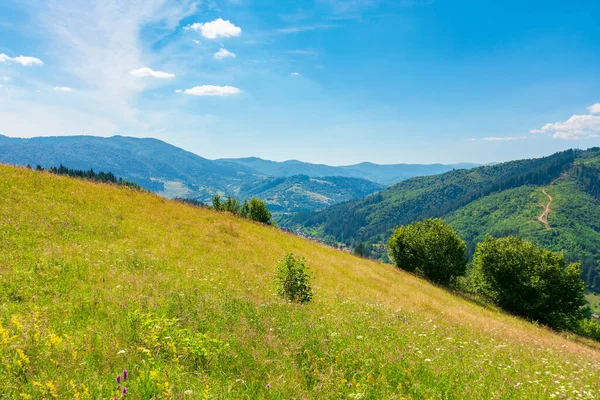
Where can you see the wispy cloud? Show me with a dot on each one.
(223, 53)
(216, 29)
(594, 108)
(305, 28)
(99, 42)
(295, 74)
(146, 72)
(210, 90)
(301, 52)
(23, 60)
(504, 138)
(63, 89)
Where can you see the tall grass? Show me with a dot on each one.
(95, 279)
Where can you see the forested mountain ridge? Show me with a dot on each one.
(496, 200)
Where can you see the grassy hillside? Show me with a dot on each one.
(95, 279)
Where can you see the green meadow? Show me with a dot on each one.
(96, 279)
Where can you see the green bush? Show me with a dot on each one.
(430, 248)
(293, 279)
(258, 211)
(529, 281)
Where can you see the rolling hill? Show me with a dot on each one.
(96, 279)
(494, 200)
(386, 175)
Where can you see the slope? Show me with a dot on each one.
(95, 279)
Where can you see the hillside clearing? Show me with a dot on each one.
(95, 279)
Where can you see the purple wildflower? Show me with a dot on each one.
(268, 385)
(118, 378)
(124, 391)
(125, 374)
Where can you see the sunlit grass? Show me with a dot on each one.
(96, 279)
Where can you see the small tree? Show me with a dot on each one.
(529, 281)
(245, 209)
(360, 250)
(217, 205)
(231, 205)
(258, 211)
(293, 279)
(430, 248)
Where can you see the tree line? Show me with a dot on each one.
(105, 177)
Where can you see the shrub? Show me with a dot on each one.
(258, 211)
(430, 248)
(293, 279)
(529, 281)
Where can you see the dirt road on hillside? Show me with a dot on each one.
(543, 218)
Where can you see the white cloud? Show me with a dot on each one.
(23, 60)
(223, 53)
(63, 89)
(503, 138)
(5, 79)
(576, 127)
(196, 41)
(210, 90)
(216, 28)
(594, 108)
(295, 74)
(301, 52)
(146, 72)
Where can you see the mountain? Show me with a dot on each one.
(383, 174)
(301, 193)
(493, 200)
(174, 172)
(96, 279)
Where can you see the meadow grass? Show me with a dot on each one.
(96, 279)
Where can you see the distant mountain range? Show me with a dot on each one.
(504, 199)
(172, 171)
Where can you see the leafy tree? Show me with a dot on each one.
(217, 204)
(293, 279)
(258, 211)
(245, 209)
(360, 250)
(430, 248)
(231, 205)
(529, 281)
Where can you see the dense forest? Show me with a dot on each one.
(105, 177)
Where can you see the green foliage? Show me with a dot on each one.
(105, 177)
(293, 279)
(360, 250)
(258, 211)
(431, 248)
(231, 205)
(529, 281)
(245, 209)
(217, 204)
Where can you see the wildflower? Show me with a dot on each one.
(125, 374)
(188, 392)
(118, 379)
(268, 386)
(121, 352)
(124, 391)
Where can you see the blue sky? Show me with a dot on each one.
(326, 81)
